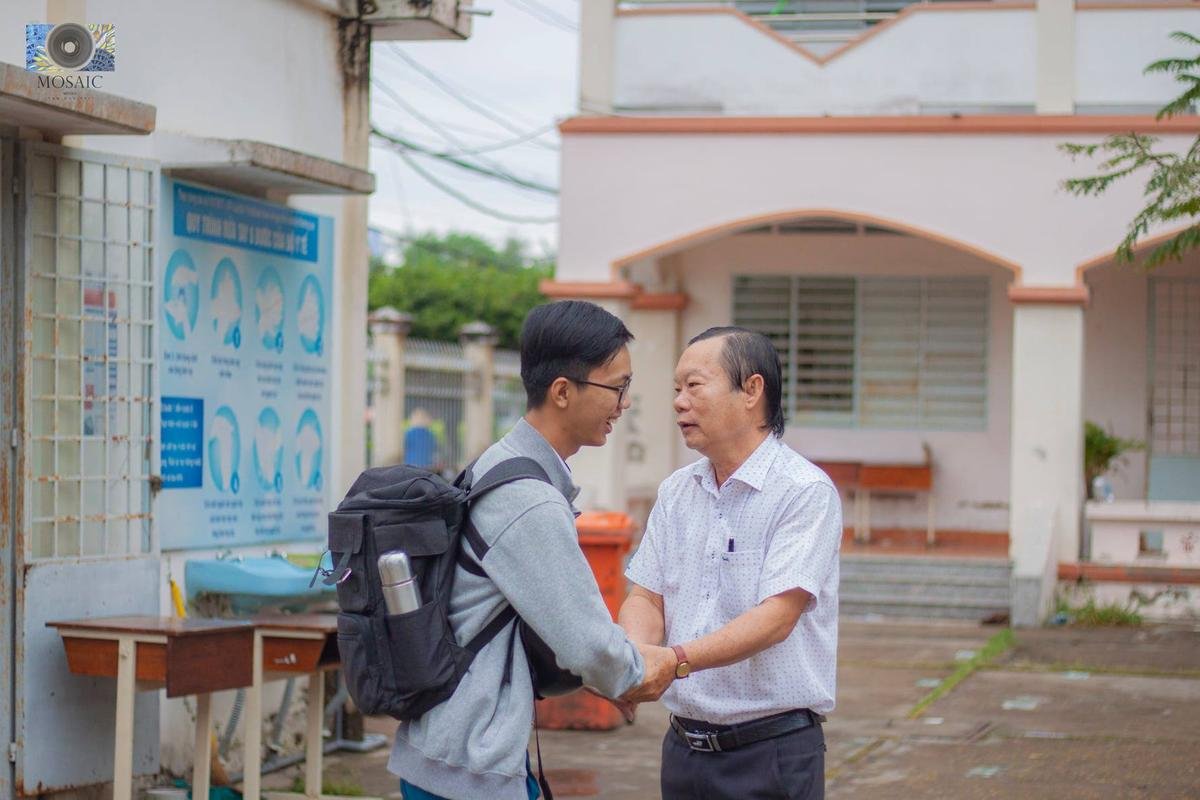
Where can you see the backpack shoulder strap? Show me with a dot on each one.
(498, 623)
(508, 471)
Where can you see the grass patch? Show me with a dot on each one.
(1055, 667)
(995, 646)
(1109, 615)
(343, 787)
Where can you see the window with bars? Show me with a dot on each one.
(1175, 388)
(875, 352)
(90, 274)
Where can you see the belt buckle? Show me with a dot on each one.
(703, 742)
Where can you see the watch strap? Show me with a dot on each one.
(682, 667)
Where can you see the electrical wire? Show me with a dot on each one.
(460, 95)
(437, 128)
(494, 136)
(490, 148)
(467, 201)
(401, 145)
(545, 15)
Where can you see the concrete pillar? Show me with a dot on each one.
(649, 424)
(601, 473)
(351, 266)
(389, 331)
(479, 346)
(1046, 458)
(1055, 21)
(596, 42)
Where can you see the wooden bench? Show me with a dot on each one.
(860, 478)
(186, 656)
(287, 646)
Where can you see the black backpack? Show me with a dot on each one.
(405, 664)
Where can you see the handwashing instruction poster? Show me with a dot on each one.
(245, 291)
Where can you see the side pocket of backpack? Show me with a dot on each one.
(424, 662)
(359, 655)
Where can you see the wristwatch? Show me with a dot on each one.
(683, 668)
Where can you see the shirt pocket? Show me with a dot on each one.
(738, 583)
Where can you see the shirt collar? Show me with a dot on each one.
(752, 472)
(528, 441)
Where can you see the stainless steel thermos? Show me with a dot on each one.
(400, 591)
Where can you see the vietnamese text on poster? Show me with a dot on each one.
(244, 370)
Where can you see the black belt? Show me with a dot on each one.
(708, 737)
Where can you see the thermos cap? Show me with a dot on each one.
(394, 567)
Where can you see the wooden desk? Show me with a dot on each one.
(187, 656)
(861, 478)
(285, 646)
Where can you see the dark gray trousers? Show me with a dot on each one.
(789, 767)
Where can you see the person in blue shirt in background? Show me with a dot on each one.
(420, 443)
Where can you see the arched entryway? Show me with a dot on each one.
(896, 345)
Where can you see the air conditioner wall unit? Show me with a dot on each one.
(417, 20)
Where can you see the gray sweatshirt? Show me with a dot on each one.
(473, 745)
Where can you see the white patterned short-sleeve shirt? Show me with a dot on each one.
(714, 553)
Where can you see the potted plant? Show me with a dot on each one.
(1102, 450)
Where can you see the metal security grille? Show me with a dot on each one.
(875, 352)
(434, 397)
(89, 353)
(1175, 359)
(821, 23)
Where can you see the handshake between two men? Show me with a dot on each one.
(732, 618)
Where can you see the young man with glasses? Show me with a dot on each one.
(576, 369)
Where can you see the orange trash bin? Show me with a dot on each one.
(605, 538)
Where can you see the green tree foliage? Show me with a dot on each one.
(448, 281)
(1173, 189)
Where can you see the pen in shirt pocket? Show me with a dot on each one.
(730, 545)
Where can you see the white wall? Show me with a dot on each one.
(1113, 47)
(238, 69)
(971, 468)
(719, 63)
(622, 193)
(931, 61)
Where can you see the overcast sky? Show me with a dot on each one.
(521, 65)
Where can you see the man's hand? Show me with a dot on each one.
(627, 709)
(660, 671)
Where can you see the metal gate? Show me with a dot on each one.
(80, 370)
(434, 395)
(1174, 389)
(8, 434)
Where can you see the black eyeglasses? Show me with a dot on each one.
(621, 390)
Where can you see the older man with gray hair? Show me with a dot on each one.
(738, 573)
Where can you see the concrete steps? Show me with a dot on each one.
(924, 587)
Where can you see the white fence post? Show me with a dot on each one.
(389, 331)
(478, 341)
